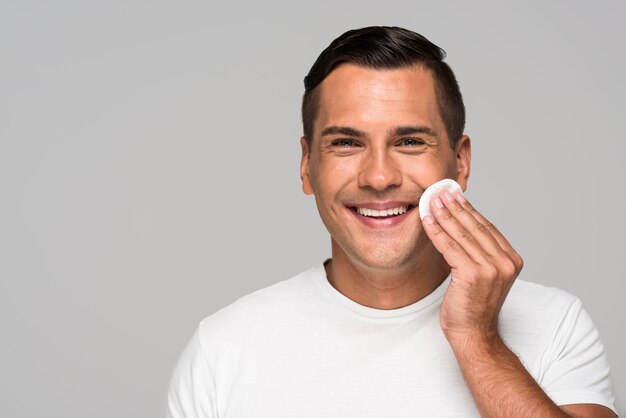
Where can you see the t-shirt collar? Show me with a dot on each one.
(435, 296)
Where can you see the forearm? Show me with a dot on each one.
(499, 382)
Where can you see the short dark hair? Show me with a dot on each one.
(386, 47)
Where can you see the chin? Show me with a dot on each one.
(385, 259)
(380, 253)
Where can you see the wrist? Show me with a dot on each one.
(473, 344)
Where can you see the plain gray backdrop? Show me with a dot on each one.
(149, 171)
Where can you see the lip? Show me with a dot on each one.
(386, 222)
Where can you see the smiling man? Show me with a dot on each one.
(409, 318)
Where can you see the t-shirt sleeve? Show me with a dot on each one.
(578, 369)
(192, 389)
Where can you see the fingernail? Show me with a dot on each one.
(448, 196)
(460, 197)
(438, 203)
(429, 219)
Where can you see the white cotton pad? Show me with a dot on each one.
(434, 190)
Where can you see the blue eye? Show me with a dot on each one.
(344, 143)
(411, 142)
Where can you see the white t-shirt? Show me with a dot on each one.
(301, 349)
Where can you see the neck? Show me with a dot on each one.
(383, 288)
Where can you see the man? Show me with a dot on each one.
(408, 318)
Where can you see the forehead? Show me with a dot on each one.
(378, 98)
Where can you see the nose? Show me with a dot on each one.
(379, 171)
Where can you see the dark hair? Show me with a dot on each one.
(384, 47)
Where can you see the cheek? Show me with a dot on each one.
(332, 176)
(341, 166)
(426, 171)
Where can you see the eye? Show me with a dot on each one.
(344, 143)
(410, 142)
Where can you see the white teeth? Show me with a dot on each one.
(382, 213)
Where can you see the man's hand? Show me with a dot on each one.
(484, 267)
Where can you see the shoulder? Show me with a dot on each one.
(533, 315)
(532, 312)
(534, 298)
(261, 309)
(558, 342)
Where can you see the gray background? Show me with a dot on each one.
(149, 171)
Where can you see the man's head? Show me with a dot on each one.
(377, 137)
(381, 47)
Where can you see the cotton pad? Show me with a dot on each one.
(434, 190)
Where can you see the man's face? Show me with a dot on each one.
(378, 142)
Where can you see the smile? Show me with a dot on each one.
(378, 212)
(382, 213)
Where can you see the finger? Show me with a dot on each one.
(487, 226)
(467, 206)
(454, 254)
(464, 228)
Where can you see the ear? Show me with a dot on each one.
(463, 153)
(304, 167)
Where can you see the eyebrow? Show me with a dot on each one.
(342, 130)
(417, 129)
(399, 131)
